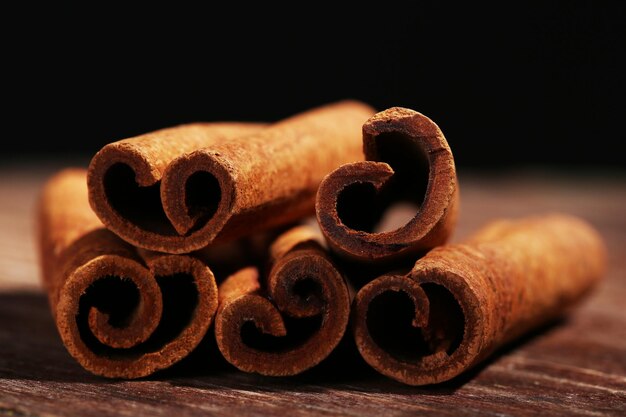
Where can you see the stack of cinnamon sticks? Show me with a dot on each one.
(205, 231)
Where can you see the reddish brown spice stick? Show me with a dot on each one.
(461, 302)
(120, 314)
(294, 322)
(408, 160)
(157, 197)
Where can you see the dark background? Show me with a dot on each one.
(531, 86)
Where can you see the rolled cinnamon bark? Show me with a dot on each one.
(408, 160)
(158, 197)
(461, 302)
(295, 321)
(120, 313)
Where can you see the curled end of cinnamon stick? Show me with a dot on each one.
(415, 332)
(409, 161)
(198, 194)
(119, 319)
(177, 210)
(461, 302)
(295, 321)
(153, 194)
(123, 184)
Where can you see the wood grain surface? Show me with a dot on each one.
(574, 367)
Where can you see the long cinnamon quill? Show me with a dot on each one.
(461, 302)
(291, 323)
(120, 313)
(157, 196)
(408, 160)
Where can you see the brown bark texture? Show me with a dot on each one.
(293, 321)
(461, 302)
(407, 160)
(120, 312)
(180, 189)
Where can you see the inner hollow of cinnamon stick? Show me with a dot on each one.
(120, 312)
(142, 205)
(291, 323)
(461, 302)
(402, 200)
(119, 299)
(390, 322)
(361, 207)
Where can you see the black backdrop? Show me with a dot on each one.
(532, 85)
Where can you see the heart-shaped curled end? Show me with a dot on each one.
(293, 325)
(174, 209)
(121, 320)
(409, 175)
(417, 331)
(198, 195)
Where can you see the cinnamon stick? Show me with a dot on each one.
(295, 320)
(120, 313)
(408, 160)
(158, 197)
(461, 302)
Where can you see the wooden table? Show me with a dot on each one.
(576, 367)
